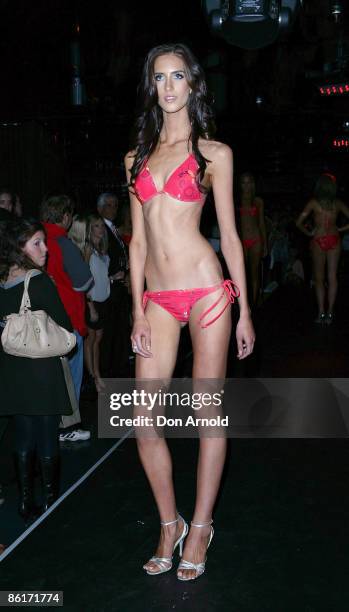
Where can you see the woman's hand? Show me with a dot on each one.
(140, 337)
(118, 276)
(245, 337)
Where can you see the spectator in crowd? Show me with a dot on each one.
(279, 248)
(115, 345)
(96, 254)
(33, 391)
(73, 278)
(90, 236)
(6, 204)
(18, 206)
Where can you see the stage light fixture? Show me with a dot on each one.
(250, 24)
(336, 10)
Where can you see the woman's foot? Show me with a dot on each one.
(169, 535)
(321, 318)
(329, 318)
(196, 545)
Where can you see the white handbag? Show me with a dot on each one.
(34, 334)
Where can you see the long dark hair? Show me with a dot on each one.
(325, 191)
(150, 118)
(13, 237)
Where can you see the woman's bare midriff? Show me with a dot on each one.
(325, 221)
(178, 256)
(250, 227)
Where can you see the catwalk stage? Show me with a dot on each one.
(281, 522)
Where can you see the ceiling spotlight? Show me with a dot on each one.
(336, 9)
(250, 24)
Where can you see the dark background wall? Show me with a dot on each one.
(46, 143)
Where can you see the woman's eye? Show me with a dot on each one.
(179, 75)
(158, 77)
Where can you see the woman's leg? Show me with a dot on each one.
(332, 266)
(48, 453)
(210, 348)
(319, 262)
(95, 349)
(24, 433)
(24, 458)
(88, 350)
(153, 452)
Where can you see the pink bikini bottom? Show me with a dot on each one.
(326, 242)
(248, 243)
(179, 302)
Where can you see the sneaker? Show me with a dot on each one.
(76, 435)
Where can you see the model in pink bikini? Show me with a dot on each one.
(325, 244)
(172, 167)
(253, 231)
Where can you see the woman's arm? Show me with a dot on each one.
(140, 336)
(308, 209)
(343, 208)
(221, 171)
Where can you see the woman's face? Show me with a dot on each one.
(171, 82)
(97, 230)
(36, 248)
(247, 184)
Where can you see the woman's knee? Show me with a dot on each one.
(149, 445)
(99, 336)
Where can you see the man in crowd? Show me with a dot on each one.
(72, 277)
(114, 351)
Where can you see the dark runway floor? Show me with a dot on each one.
(281, 541)
(281, 521)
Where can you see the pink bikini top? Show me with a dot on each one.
(181, 184)
(251, 211)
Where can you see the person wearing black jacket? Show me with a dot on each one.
(114, 351)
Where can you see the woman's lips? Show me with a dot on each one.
(170, 98)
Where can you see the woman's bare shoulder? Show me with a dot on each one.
(215, 149)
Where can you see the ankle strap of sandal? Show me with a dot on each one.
(201, 524)
(169, 522)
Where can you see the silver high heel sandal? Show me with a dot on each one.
(198, 567)
(164, 564)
